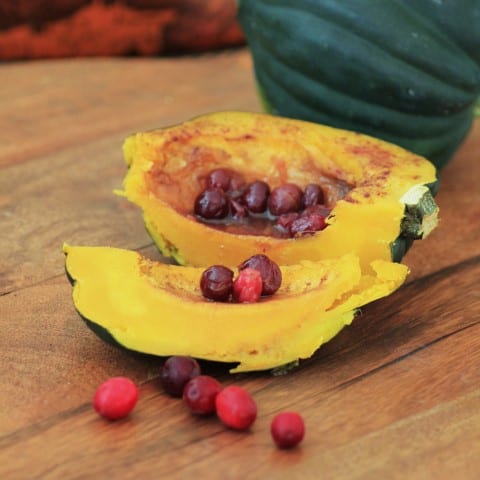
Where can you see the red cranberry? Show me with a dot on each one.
(176, 372)
(115, 398)
(307, 225)
(216, 283)
(199, 394)
(284, 221)
(321, 210)
(225, 179)
(211, 204)
(255, 196)
(269, 271)
(285, 199)
(236, 408)
(238, 210)
(287, 429)
(247, 287)
(312, 195)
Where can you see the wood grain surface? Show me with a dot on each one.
(395, 395)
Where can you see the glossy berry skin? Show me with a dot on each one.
(269, 271)
(307, 225)
(199, 394)
(176, 372)
(255, 196)
(212, 204)
(236, 408)
(216, 283)
(248, 286)
(115, 398)
(287, 429)
(286, 198)
(226, 179)
(312, 195)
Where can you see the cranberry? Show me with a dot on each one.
(255, 196)
(115, 398)
(211, 203)
(225, 179)
(269, 271)
(317, 210)
(199, 394)
(247, 287)
(287, 429)
(238, 210)
(236, 408)
(307, 225)
(285, 199)
(312, 195)
(176, 372)
(216, 283)
(284, 221)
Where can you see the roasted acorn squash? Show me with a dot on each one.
(389, 202)
(406, 71)
(158, 308)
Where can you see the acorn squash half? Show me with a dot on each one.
(158, 309)
(389, 201)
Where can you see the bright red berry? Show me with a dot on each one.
(199, 394)
(287, 429)
(248, 286)
(115, 398)
(236, 408)
(176, 372)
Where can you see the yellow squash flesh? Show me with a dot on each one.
(166, 168)
(158, 309)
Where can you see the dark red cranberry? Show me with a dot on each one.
(236, 408)
(255, 196)
(176, 372)
(216, 283)
(285, 199)
(312, 195)
(115, 398)
(269, 271)
(321, 210)
(247, 287)
(238, 210)
(199, 394)
(287, 429)
(284, 221)
(211, 204)
(307, 225)
(224, 178)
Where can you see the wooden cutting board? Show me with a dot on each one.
(395, 395)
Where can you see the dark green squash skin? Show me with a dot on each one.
(405, 71)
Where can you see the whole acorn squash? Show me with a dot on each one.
(406, 71)
(388, 204)
(158, 309)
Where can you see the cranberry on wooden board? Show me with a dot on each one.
(176, 372)
(199, 394)
(248, 286)
(115, 398)
(236, 408)
(269, 271)
(212, 204)
(287, 429)
(285, 199)
(216, 283)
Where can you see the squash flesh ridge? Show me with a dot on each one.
(145, 307)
